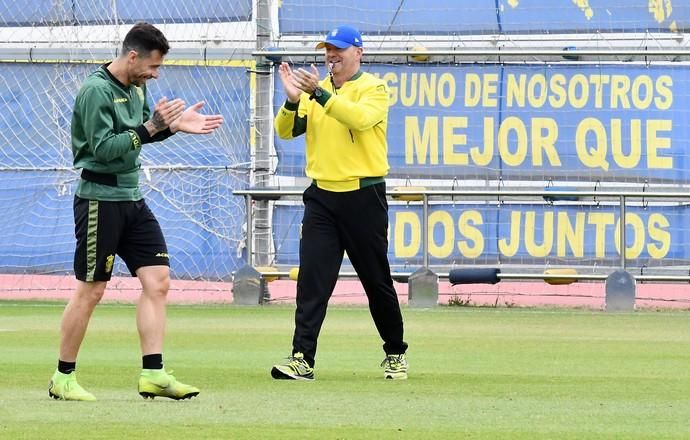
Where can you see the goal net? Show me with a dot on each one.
(47, 49)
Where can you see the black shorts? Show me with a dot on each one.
(105, 229)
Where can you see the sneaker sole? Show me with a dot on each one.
(56, 397)
(395, 376)
(151, 396)
(50, 391)
(277, 374)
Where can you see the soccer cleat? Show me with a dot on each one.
(65, 387)
(395, 367)
(296, 368)
(153, 383)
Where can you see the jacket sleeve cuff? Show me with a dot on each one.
(291, 106)
(161, 135)
(143, 133)
(323, 99)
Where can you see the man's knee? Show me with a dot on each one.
(90, 292)
(155, 280)
(160, 287)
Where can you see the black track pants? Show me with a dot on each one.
(356, 222)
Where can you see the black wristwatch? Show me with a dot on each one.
(318, 93)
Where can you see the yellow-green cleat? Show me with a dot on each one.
(395, 367)
(65, 387)
(295, 368)
(154, 383)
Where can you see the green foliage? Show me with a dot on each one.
(458, 301)
(479, 373)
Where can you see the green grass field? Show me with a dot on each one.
(475, 373)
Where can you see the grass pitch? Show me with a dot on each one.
(474, 373)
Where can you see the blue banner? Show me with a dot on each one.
(201, 219)
(607, 122)
(547, 16)
(226, 91)
(453, 17)
(46, 114)
(390, 16)
(525, 233)
(102, 12)
(448, 17)
(33, 12)
(165, 11)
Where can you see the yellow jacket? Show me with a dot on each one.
(345, 129)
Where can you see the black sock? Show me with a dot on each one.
(66, 367)
(152, 361)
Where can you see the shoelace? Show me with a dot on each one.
(297, 363)
(392, 361)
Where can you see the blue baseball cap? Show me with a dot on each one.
(342, 37)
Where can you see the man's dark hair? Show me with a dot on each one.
(145, 38)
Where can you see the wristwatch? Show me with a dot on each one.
(318, 93)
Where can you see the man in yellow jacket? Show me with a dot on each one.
(344, 116)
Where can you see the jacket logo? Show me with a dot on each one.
(120, 100)
(162, 255)
(136, 142)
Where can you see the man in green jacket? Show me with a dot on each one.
(111, 123)
(344, 117)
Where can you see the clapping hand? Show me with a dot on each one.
(191, 121)
(306, 81)
(289, 84)
(164, 113)
(297, 81)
